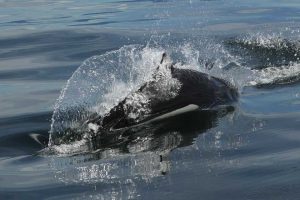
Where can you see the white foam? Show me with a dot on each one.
(276, 74)
(77, 147)
(273, 40)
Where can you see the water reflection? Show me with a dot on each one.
(138, 154)
(160, 136)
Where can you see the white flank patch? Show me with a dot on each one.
(189, 108)
(93, 127)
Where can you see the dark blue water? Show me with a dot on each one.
(249, 153)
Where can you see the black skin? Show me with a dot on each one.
(196, 88)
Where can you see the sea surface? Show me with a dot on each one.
(61, 58)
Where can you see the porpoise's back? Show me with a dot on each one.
(199, 89)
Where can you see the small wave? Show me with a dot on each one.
(265, 50)
(271, 41)
(273, 76)
(273, 59)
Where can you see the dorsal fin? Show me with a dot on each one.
(164, 65)
(164, 59)
(164, 55)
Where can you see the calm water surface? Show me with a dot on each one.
(249, 153)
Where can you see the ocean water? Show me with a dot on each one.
(59, 59)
